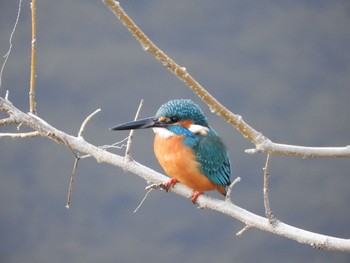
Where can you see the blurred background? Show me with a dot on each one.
(283, 65)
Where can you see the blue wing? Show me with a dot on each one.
(213, 157)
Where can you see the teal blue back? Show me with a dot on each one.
(213, 157)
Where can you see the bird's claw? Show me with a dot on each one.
(194, 196)
(169, 184)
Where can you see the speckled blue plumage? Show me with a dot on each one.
(185, 109)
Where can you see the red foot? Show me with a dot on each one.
(194, 196)
(170, 183)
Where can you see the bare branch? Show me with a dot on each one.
(183, 75)
(20, 135)
(301, 151)
(243, 230)
(88, 118)
(228, 208)
(131, 134)
(228, 194)
(143, 199)
(263, 144)
(7, 121)
(268, 213)
(77, 158)
(71, 182)
(32, 103)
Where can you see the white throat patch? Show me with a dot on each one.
(164, 133)
(199, 129)
(195, 128)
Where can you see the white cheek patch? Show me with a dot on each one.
(199, 129)
(162, 132)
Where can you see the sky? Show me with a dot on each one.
(284, 66)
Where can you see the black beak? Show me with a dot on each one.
(139, 124)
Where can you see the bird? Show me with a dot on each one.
(187, 147)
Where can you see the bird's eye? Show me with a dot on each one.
(174, 119)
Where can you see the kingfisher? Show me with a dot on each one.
(187, 147)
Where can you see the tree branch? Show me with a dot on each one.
(71, 182)
(85, 122)
(7, 122)
(228, 208)
(77, 158)
(262, 144)
(268, 212)
(32, 103)
(270, 147)
(183, 75)
(20, 135)
(131, 133)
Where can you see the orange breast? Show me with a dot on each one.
(179, 162)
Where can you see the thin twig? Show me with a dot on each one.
(131, 134)
(71, 182)
(77, 157)
(84, 156)
(244, 229)
(88, 118)
(32, 103)
(116, 144)
(6, 56)
(228, 194)
(20, 135)
(143, 199)
(268, 213)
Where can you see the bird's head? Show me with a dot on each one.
(174, 116)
